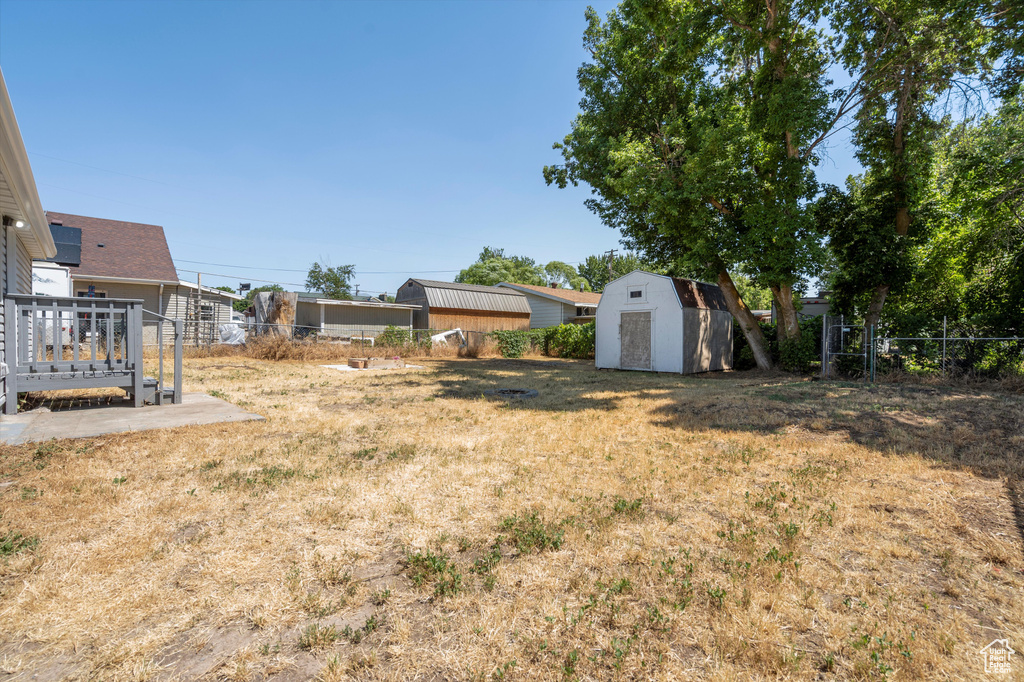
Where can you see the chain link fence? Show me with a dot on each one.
(958, 350)
(387, 337)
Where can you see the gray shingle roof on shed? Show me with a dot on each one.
(473, 297)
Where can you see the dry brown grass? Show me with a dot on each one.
(397, 525)
(276, 348)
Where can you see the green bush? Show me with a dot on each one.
(394, 337)
(798, 356)
(572, 341)
(512, 343)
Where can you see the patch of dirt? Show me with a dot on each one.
(41, 668)
(189, 532)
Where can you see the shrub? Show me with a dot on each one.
(394, 337)
(572, 341)
(798, 356)
(512, 343)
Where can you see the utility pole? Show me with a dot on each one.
(611, 257)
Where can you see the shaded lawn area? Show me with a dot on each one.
(400, 525)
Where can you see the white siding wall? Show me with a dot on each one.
(23, 269)
(175, 306)
(3, 290)
(21, 285)
(666, 321)
(348, 320)
(544, 312)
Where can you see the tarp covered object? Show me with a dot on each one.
(232, 334)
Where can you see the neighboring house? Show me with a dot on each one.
(363, 318)
(663, 324)
(470, 307)
(118, 259)
(24, 233)
(810, 306)
(550, 306)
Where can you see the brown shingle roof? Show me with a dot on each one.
(694, 294)
(129, 251)
(587, 298)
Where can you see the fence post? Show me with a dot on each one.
(134, 346)
(872, 351)
(11, 355)
(824, 346)
(178, 334)
(943, 345)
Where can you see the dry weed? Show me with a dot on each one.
(398, 524)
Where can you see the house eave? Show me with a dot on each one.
(361, 304)
(125, 280)
(17, 175)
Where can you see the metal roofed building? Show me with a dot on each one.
(336, 318)
(471, 307)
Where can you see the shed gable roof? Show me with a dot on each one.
(129, 251)
(694, 294)
(473, 297)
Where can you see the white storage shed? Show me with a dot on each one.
(657, 323)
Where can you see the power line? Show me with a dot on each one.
(264, 281)
(105, 170)
(241, 267)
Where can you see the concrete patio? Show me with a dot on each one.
(96, 420)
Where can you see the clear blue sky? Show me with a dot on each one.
(401, 137)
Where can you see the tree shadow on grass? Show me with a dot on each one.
(965, 429)
(562, 385)
(961, 428)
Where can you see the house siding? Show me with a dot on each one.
(22, 285)
(3, 290)
(348, 320)
(23, 269)
(544, 312)
(175, 306)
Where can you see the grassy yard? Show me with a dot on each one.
(398, 525)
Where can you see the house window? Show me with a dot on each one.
(585, 311)
(636, 293)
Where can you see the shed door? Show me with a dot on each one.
(635, 340)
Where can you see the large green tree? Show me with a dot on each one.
(566, 276)
(698, 132)
(493, 266)
(972, 269)
(908, 57)
(333, 282)
(598, 270)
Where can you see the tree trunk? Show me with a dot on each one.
(789, 323)
(875, 307)
(748, 324)
(899, 195)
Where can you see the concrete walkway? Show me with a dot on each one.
(84, 422)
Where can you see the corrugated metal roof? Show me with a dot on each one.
(473, 297)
